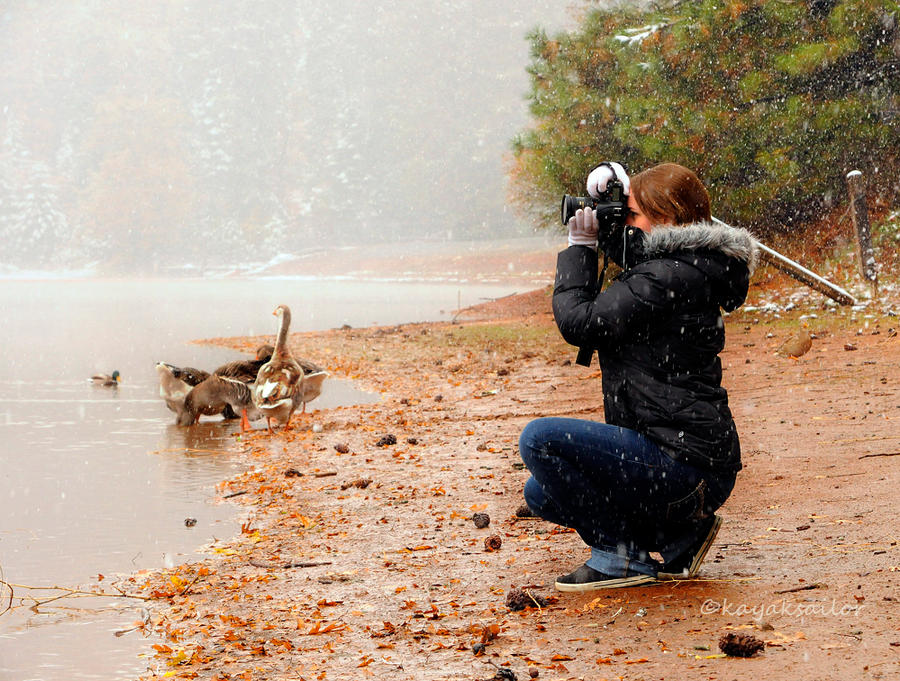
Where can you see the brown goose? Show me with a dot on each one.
(280, 379)
(216, 395)
(176, 382)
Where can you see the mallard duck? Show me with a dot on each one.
(106, 380)
(280, 379)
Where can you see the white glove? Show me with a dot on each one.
(583, 228)
(599, 176)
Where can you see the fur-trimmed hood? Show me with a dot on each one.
(735, 242)
(726, 255)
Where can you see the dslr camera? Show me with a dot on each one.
(611, 206)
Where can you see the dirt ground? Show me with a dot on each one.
(359, 557)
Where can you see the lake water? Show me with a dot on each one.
(99, 481)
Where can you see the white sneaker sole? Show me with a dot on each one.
(612, 583)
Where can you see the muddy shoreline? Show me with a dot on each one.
(358, 556)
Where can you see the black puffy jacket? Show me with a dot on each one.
(658, 332)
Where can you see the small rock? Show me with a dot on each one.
(342, 448)
(386, 440)
(292, 473)
(362, 483)
(519, 599)
(740, 645)
(504, 674)
(317, 428)
(190, 522)
(534, 673)
(493, 543)
(412, 440)
(849, 347)
(481, 520)
(524, 511)
(503, 371)
(478, 649)
(438, 398)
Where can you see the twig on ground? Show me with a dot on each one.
(67, 592)
(805, 587)
(870, 456)
(288, 566)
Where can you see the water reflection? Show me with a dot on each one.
(96, 480)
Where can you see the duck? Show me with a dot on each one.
(107, 380)
(279, 380)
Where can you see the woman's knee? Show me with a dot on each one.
(533, 439)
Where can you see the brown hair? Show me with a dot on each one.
(671, 194)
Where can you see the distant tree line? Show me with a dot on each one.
(772, 102)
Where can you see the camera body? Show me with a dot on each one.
(611, 206)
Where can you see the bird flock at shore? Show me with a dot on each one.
(271, 386)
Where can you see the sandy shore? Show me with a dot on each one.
(359, 557)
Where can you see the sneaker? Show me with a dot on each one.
(587, 578)
(688, 564)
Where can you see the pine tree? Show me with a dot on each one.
(772, 102)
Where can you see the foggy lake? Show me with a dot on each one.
(99, 480)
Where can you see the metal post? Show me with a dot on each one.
(860, 213)
(800, 273)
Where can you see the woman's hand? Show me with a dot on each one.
(601, 175)
(583, 228)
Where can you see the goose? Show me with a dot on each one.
(245, 370)
(106, 380)
(216, 395)
(280, 379)
(176, 382)
(313, 377)
(172, 386)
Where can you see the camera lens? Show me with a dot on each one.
(572, 203)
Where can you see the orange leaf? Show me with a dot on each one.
(643, 659)
(560, 658)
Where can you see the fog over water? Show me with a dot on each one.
(215, 132)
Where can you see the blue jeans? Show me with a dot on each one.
(623, 495)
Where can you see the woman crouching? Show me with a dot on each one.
(650, 479)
